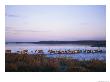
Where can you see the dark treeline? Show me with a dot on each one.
(93, 43)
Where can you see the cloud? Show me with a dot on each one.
(25, 31)
(11, 15)
(13, 29)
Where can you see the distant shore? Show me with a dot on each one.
(92, 43)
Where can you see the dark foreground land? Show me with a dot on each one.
(39, 63)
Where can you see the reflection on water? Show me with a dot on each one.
(45, 47)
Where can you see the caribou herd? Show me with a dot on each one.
(50, 51)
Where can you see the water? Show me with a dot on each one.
(45, 47)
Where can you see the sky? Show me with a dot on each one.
(31, 23)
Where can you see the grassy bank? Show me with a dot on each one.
(40, 63)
